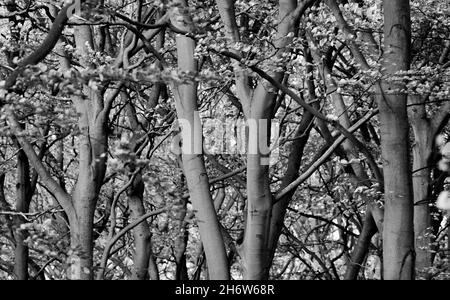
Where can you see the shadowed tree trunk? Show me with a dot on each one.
(423, 143)
(294, 162)
(144, 261)
(24, 195)
(425, 131)
(370, 228)
(181, 240)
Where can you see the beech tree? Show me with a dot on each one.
(226, 139)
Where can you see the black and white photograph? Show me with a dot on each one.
(224, 147)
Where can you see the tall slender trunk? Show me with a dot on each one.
(23, 187)
(398, 232)
(208, 224)
(259, 111)
(22, 205)
(422, 149)
(144, 262)
(93, 146)
(193, 160)
(292, 172)
(259, 202)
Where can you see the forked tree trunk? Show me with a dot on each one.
(258, 106)
(93, 146)
(259, 112)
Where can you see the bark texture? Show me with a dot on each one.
(398, 233)
(192, 157)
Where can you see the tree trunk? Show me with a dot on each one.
(259, 208)
(193, 160)
(398, 232)
(421, 178)
(260, 109)
(294, 162)
(22, 205)
(142, 234)
(81, 230)
(93, 146)
(181, 239)
(362, 247)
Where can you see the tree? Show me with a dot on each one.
(227, 139)
(398, 231)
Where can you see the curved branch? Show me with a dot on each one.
(346, 133)
(44, 49)
(121, 233)
(47, 180)
(323, 158)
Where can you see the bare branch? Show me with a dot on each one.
(47, 180)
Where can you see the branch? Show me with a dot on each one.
(227, 172)
(44, 49)
(161, 23)
(24, 11)
(121, 233)
(221, 178)
(346, 133)
(325, 220)
(323, 158)
(228, 15)
(47, 180)
(442, 117)
(349, 34)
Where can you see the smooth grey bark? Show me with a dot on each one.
(144, 262)
(193, 163)
(80, 205)
(420, 124)
(258, 106)
(422, 149)
(142, 234)
(398, 233)
(93, 144)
